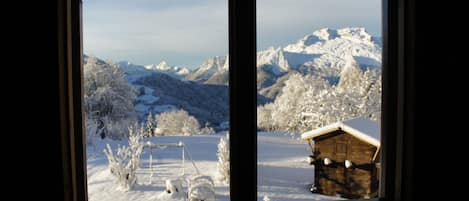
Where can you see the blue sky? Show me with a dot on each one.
(187, 32)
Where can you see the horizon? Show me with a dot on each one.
(121, 32)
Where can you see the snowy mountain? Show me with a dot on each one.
(325, 49)
(333, 47)
(282, 61)
(135, 71)
(216, 67)
(160, 92)
(130, 68)
(163, 67)
(322, 53)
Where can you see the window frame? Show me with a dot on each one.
(398, 99)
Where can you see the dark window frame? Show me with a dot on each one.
(398, 100)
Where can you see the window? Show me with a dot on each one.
(156, 99)
(319, 79)
(242, 119)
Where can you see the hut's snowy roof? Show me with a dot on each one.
(362, 128)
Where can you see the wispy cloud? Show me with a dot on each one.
(187, 32)
(149, 31)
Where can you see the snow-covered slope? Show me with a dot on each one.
(133, 71)
(208, 103)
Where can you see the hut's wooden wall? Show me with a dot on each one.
(358, 181)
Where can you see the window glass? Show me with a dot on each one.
(319, 105)
(156, 99)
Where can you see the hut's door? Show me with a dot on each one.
(341, 148)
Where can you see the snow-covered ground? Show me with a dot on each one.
(283, 173)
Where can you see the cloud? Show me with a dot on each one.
(284, 21)
(188, 30)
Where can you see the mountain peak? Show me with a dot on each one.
(359, 33)
(183, 71)
(163, 65)
(208, 68)
(326, 34)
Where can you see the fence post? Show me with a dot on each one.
(151, 161)
(183, 169)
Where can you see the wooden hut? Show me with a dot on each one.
(345, 156)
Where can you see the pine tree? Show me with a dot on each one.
(264, 117)
(150, 127)
(350, 75)
(223, 166)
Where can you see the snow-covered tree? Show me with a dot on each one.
(124, 164)
(284, 115)
(150, 126)
(264, 117)
(91, 129)
(177, 123)
(309, 102)
(190, 125)
(117, 129)
(287, 112)
(120, 166)
(309, 105)
(158, 132)
(223, 166)
(372, 95)
(207, 130)
(107, 93)
(136, 144)
(350, 75)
